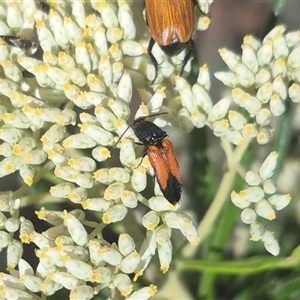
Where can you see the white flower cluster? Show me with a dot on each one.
(260, 200)
(59, 58)
(260, 80)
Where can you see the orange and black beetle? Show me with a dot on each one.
(161, 156)
(171, 25)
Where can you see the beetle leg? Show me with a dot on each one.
(153, 59)
(190, 48)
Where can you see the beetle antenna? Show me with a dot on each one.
(121, 136)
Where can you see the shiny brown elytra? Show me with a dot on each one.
(171, 25)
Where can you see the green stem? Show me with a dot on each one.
(222, 194)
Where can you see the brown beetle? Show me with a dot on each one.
(171, 25)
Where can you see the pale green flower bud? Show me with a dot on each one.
(265, 210)
(162, 234)
(198, 119)
(294, 93)
(270, 243)
(105, 69)
(2, 216)
(280, 48)
(79, 269)
(123, 283)
(248, 216)
(279, 68)
(202, 98)
(11, 71)
(267, 168)
(219, 110)
(249, 131)
(78, 12)
(31, 282)
(26, 228)
(235, 137)
(252, 179)
(115, 214)
(150, 220)
(130, 263)
(230, 59)
(114, 191)
(125, 17)
(27, 173)
(263, 76)
(249, 57)
(10, 134)
(100, 41)
(269, 186)
(139, 179)
(120, 109)
(256, 231)
(263, 136)
(9, 165)
(54, 134)
(79, 141)
(114, 35)
(84, 163)
(126, 244)
(144, 293)
(65, 172)
(279, 87)
(84, 180)
(265, 92)
(127, 153)
(12, 224)
(204, 77)
(49, 287)
(25, 268)
(77, 76)
(14, 253)
(82, 55)
(73, 32)
(129, 199)
(187, 98)
(7, 86)
(76, 229)
(6, 149)
(277, 106)
(251, 104)
(35, 157)
(237, 121)
(119, 174)
(52, 217)
(16, 119)
(5, 239)
(159, 203)
(101, 275)
(95, 84)
(14, 294)
(96, 204)
(62, 190)
(228, 78)
(165, 256)
(132, 48)
(280, 201)
(65, 279)
(292, 38)
(221, 128)
(105, 117)
(184, 120)
(265, 53)
(46, 39)
(240, 199)
(82, 292)
(102, 175)
(110, 255)
(100, 135)
(77, 195)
